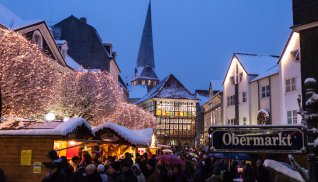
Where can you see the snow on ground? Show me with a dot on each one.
(138, 137)
(283, 169)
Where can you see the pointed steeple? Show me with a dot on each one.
(146, 53)
(145, 68)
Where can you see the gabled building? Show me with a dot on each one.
(290, 79)
(175, 109)
(85, 44)
(213, 109)
(237, 91)
(35, 31)
(144, 73)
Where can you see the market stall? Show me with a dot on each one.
(24, 145)
(116, 140)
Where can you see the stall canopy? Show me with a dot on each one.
(113, 133)
(73, 128)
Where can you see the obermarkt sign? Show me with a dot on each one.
(252, 139)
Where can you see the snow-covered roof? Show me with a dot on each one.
(60, 42)
(284, 169)
(72, 63)
(170, 88)
(272, 71)
(33, 128)
(256, 64)
(137, 137)
(12, 21)
(203, 96)
(137, 91)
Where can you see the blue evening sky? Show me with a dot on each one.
(193, 39)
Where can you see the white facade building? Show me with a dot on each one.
(290, 80)
(237, 93)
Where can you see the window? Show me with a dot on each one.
(290, 85)
(244, 121)
(244, 97)
(295, 55)
(230, 100)
(37, 39)
(292, 117)
(230, 121)
(266, 91)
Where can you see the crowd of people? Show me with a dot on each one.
(146, 168)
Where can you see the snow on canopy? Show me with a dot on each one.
(256, 64)
(283, 169)
(272, 71)
(72, 63)
(171, 88)
(137, 137)
(32, 128)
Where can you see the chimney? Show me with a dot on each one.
(83, 19)
(114, 55)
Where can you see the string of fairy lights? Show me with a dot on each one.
(32, 84)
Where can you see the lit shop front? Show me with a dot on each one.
(24, 145)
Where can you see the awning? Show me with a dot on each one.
(237, 156)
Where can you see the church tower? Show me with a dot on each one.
(144, 73)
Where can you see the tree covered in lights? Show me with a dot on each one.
(32, 84)
(91, 95)
(27, 78)
(133, 117)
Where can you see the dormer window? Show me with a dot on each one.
(295, 55)
(37, 39)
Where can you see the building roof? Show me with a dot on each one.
(146, 53)
(72, 63)
(85, 45)
(137, 137)
(203, 96)
(274, 70)
(170, 88)
(255, 64)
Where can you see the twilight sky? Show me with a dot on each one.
(193, 39)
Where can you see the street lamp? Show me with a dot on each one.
(50, 117)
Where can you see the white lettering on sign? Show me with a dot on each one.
(233, 139)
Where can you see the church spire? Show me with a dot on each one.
(146, 53)
(145, 68)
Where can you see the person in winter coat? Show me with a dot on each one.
(113, 171)
(126, 174)
(248, 173)
(215, 176)
(261, 174)
(177, 176)
(101, 172)
(93, 176)
(54, 173)
(136, 170)
(154, 175)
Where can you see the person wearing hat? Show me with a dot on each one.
(126, 174)
(101, 172)
(93, 176)
(54, 174)
(154, 175)
(113, 171)
(136, 170)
